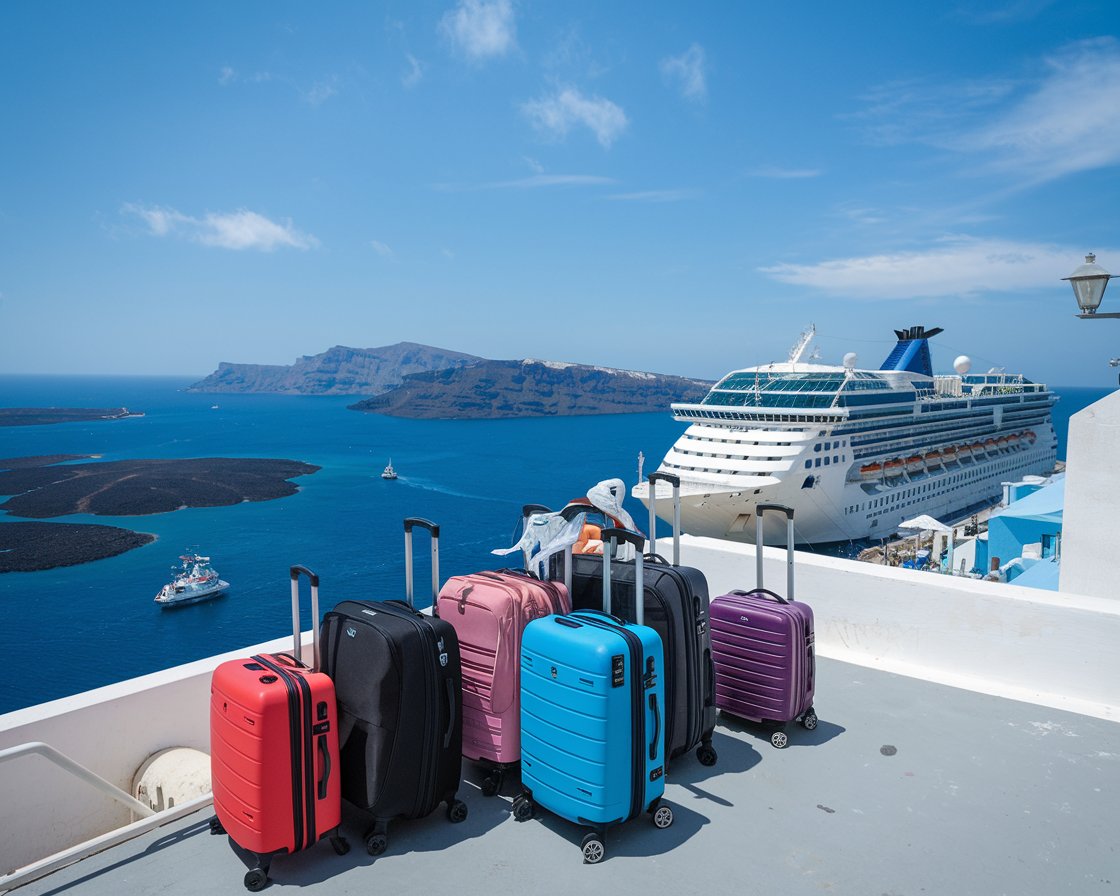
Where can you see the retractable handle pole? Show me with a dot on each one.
(434, 530)
(674, 481)
(297, 646)
(760, 511)
(611, 537)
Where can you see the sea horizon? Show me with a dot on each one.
(92, 624)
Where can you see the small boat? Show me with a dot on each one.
(933, 458)
(949, 455)
(194, 580)
(1013, 441)
(1001, 443)
(964, 452)
(1030, 436)
(870, 471)
(389, 472)
(915, 464)
(893, 467)
(991, 446)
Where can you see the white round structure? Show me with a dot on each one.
(963, 364)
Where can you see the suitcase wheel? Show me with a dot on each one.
(256, 880)
(779, 739)
(216, 826)
(522, 808)
(809, 720)
(376, 844)
(706, 754)
(456, 811)
(662, 816)
(593, 849)
(341, 845)
(491, 785)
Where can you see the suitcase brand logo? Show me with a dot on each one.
(744, 619)
(351, 632)
(553, 671)
(442, 656)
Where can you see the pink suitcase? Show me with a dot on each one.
(489, 611)
(762, 650)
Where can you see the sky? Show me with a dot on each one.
(677, 188)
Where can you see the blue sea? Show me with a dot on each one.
(79, 627)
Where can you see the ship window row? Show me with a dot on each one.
(935, 488)
(835, 458)
(750, 457)
(709, 440)
(782, 382)
(795, 419)
(767, 400)
(738, 473)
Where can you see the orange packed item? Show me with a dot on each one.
(590, 540)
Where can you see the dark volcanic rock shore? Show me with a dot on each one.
(137, 487)
(30, 547)
(41, 416)
(496, 389)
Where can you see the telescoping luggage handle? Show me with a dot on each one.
(434, 529)
(297, 652)
(674, 481)
(611, 537)
(760, 511)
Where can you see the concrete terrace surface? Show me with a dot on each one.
(905, 787)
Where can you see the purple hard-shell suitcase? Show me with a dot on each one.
(762, 649)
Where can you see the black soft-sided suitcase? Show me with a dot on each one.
(398, 679)
(676, 606)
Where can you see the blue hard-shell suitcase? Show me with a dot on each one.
(593, 718)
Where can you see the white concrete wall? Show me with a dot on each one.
(1043, 647)
(111, 731)
(1090, 557)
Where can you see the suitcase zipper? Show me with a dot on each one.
(294, 719)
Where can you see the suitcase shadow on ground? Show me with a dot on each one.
(735, 755)
(636, 838)
(799, 736)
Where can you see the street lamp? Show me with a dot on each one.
(1089, 282)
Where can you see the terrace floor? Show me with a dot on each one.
(905, 787)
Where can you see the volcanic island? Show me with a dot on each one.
(45, 487)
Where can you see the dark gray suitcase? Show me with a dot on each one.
(397, 676)
(676, 606)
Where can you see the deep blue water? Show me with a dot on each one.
(74, 628)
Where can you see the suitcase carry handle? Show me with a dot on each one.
(326, 754)
(450, 683)
(760, 512)
(297, 651)
(763, 592)
(434, 530)
(656, 726)
(613, 536)
(674, 481)
(527, 510)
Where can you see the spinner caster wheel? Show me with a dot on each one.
(376, 844)
(779, 739)
(809, 720)
(662, 817)
(216, 826)
(706, 754)
(593, 849)
(490, 786)
(341, 845)
(256, 880)
(456, 811)
(522, 809)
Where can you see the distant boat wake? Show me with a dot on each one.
(429, 486)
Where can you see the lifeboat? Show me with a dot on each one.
(893, 467)
(871, 471)
(1030, 436)
(948, 455)
(991, 446)
(964, 452)
(933, 458)
(915, 464)
(977, 449)
(1001, 443)
(1013, 441)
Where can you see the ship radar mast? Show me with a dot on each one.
(798, 351)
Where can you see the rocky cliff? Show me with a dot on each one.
(530, 388)
(337, 371)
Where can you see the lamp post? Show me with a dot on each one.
(1089, 282)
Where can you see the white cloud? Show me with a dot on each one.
(687, 72)
(1064, 120)
(381, 249)
(239, 230)
(773, 171)
(956, 266)
(319, 92)
(480, 30)
(557, 114)
(655, 196)
(415, 73)
(227, 76)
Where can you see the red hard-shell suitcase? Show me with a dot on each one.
(274, 750)
(762, 649)
(489, 611)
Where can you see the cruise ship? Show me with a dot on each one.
(855, 451)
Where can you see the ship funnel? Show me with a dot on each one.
(912, 352)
